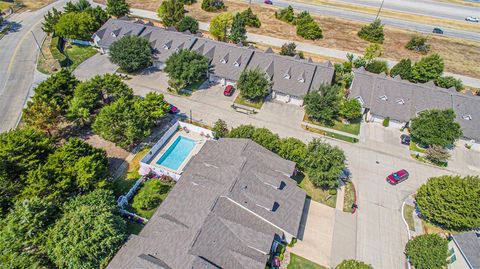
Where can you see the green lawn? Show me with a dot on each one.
(77, 54)
(352, 128)
(147, 187)
(408, 215)
(242, 101)
(330, 134)
(122, 184)
(5, 5)
(297, 262)
(349, 197)
(415, 147)
(316, 194)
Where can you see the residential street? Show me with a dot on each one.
(18, 64)
(379, 235)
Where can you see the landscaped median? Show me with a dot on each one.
(337, 135)
(244, 102)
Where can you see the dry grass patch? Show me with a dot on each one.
(36, 4)
(46, 62)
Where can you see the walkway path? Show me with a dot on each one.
(301, 46)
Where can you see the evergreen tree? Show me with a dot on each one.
(238, 32)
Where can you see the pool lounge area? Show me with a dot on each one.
(174, 150)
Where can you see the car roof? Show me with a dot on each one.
(401, 172)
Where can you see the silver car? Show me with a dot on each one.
(472, 19)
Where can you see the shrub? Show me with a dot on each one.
(428, 251)
(212, 5)
(188, 23)
(323, 105)
(171, 12)
(238, 32)
(220, 25)
(288, 49)
(372, 32)
(448, 82)
(402, 68)
(351, 109)
(451, 201)
(266, 139)
(150, 195)
(307, 27)
(242, 131)
(286, 14)
(386, 122)
(353, 264)
(377, 66)
(437, 154)
(220, 129)
(251, 19)
(428, 68)
(418, 43)
(131, 53)
(332, 191)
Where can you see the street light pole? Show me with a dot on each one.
(378, 13)
(38, 45)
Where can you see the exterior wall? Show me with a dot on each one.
(195, 128)
(460, 262)
(475, 145)
(222, 81)
(285, 98)
(379, 120)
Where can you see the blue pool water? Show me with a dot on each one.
(177, 153)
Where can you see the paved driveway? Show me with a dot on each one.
(315, 242)
(99, 64)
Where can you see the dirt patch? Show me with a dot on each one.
(460, 56)
(46, 62)
(116, 155)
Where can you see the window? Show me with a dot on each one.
(236, 64)
(400, 101)
(467, 117)
(301, 79)
(384, 98)
(451, 251)
(452, 259)
(286, 76)
(165, 47)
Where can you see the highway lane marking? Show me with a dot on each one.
(15, 51)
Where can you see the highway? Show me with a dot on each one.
(18, 55)
(363, 17)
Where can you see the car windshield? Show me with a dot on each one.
(395, 175)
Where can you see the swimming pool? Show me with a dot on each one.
(177, 153)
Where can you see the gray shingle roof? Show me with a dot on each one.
(114, 29)
(226, 60)
(469, 244)
(207, 220)
(165, 42)
(402, 100)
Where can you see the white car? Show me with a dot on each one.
(472, 19)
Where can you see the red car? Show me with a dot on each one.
(173, 109)
(397, 177)
(268, 2)
(228, 90)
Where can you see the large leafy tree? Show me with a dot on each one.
(451, 201)
(42, 115)
(171, 12)
(98, 14)
(76, 167)
(324, 164)
(353, 264)
(238, 33)
(155, 106)
(76, 25)
(351, 109)
(50, 20)
(220, 25)
(292, 149)
(21, 150)
(253, 84)
(131, 53)
(22, 234)
(188, 23)
(242, 131)
(118, 8)
(435, 127)
(323, 105)
(88, 234)
(57, 89)
(403, 69)
(220, 129)
(428, 68)
(78, 6)
(372, 32)
(125, 122)
(377, 66)
(427, 251)
(266, 139)
(187, 67)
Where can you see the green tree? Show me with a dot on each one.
(98, 14)
(353, 264)
(286, 14)
(323, 105)
(220, 25)
(78, 6)
(57, 89)
(220, 129)
(351, 109)
(448, 82)
(289, 49)
(212, 5)
(324, 164)
(131, 53)
(266, 139)
(377, 66)
(76, 26)
(187, 67)
(50, 20)
(427, 251)
(437, 154)
(74, 168)
(242, 131)
(425, 128)
(251, 19)
(118, 8)
(188, 23)
(42, 116)
(88, 234)
(373, 51)
(253, 84)
(419, 44)
(22, 234)
(293, 150)
(428, 68)
(451, 201)
(372, 32)
(403, 69)
(155, 106)
(171, 12)
(21, 150)
(124, 122)
(238, 33)
(307, 27)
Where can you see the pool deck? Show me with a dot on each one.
(200, 141)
